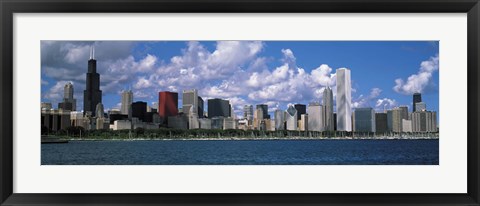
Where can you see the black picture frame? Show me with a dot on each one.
(10, 7)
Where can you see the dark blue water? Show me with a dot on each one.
(245, 152)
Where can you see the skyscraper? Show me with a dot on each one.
(303, 123)
(417, 97)
(316, 117)
(193, 118)
(404, 112)
(65, 106)
(139, 109)
(420, 106)
(99, 111)
(364, 119)
(68, 91)
(390, 120)
(291, 118)
(424, 121)
(344, 100)
(218, 108)
(127, 99)
(301, 109)
(167, 105)
(200, 107)
(258, 118)
(398, 115)
(381, 122)
(69, 103)
(92, 95)
(46, 105)
(248, 112)
(279, 119)
(264, 108)
(190, 99)
(406, 125)
(328, 109)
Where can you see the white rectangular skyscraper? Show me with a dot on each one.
(279, 119)
(344, 100)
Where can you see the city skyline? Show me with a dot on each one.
(266, 76)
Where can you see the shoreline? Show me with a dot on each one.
(245, 139)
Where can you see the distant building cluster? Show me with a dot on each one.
(166, 112)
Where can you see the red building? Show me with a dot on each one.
(167, 105)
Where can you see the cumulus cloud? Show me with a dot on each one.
(323, 75)
(55, 93)
(366, 101)
(385, 103)
(63, 61)
(289, 58)
(147, 63)
(289, 82)
(420, 81)
(233, 70)
(142, 83)
(228, 57)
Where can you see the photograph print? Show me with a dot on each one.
(239, 103)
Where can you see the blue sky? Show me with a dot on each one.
(384, 73)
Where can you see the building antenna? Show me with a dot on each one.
(93, 51)
(90, 52)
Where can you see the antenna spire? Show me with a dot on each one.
(92, 51)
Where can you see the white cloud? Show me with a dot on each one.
(75, 53)
(420, 81)
(375, 92)
(67, 61)
(198, 68)
(289, 83)
(147, 63)
(289, 58)
(142, 83)
(258, 64)
(385, 103)
(234, 70)
(323, 75)
(55, 93)
(366, 101)
(142, 94)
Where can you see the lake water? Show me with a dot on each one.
(244, 152)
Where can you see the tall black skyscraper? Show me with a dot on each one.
(301, 109)
(264, 109)
(200, 107)
(92, 95)
(218, 108)
(139, 110)
(417, 97)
